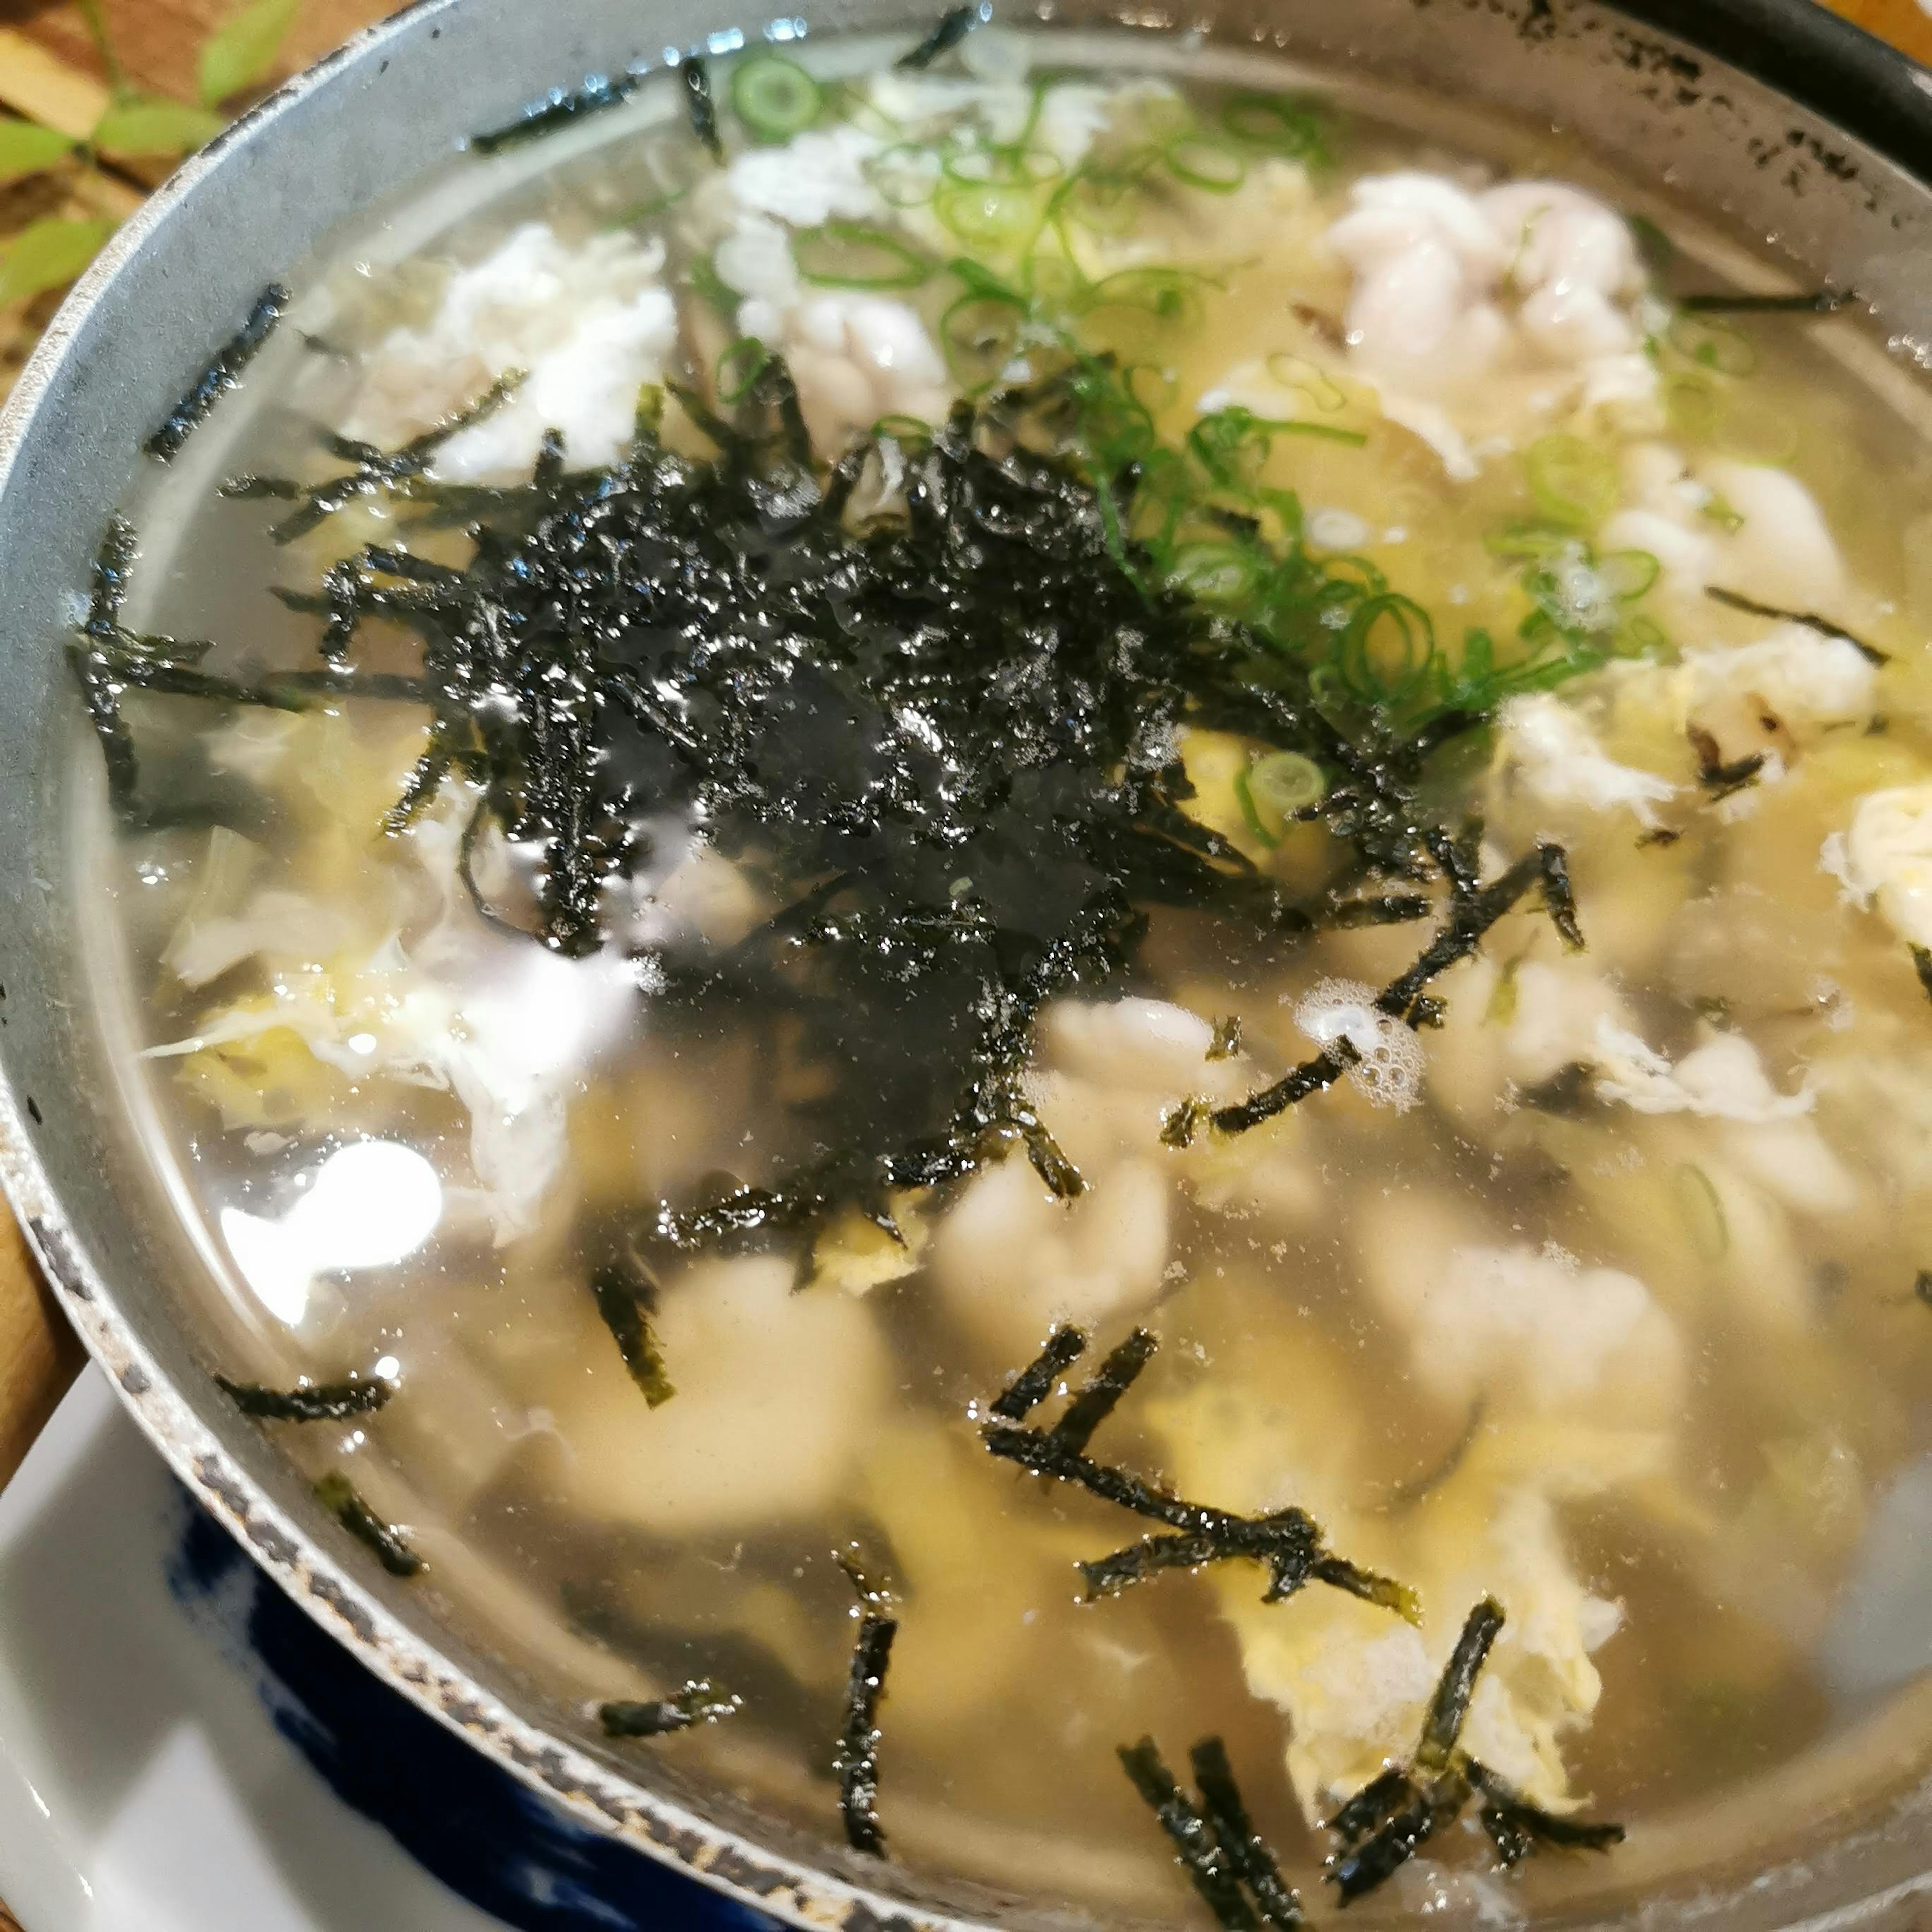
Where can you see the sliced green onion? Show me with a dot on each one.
(1171, 295)
(1626, 574)
(1244, 797)
(775, 97)
(988, 215)
(1712, 343)
(1104, 201)
(1719, 510)
(854, 255)
(1298, 373)
(904, 174)
(1276, 123)
(741, 365)
(1001, 167)
(1703, 1213)
(1289, 781)
(978, 335)
(647, 210)
(712, 288)
(903, 430)
(1571, 482)
(1163, 384)
(1211, 165)
(1215, 573)
(1690, 403)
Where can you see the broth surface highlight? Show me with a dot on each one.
(949, 649)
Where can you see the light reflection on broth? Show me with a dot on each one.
(1591, 1291)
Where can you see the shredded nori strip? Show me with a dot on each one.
(1719, 778)
(1826, 301)
(856, 1762)
(1386, 1822)
(701, 1701)
(1226, 1044)
(699, 106)
(1200, 1852)
(1255, 1864)
(625, 1297)
(1313, 1076)
(1559, 898)
(948, 31)
(1735, 600)
(559, 109)
(313, 1402)
(1451, 1704)
(344, 1502)
(223, 372)
(1517, 1827)
(1034, 1384)
(1922, 1286)
(1921, 964)
(1287, 1544)
(1104, 1389)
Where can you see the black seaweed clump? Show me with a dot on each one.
(310, 1401)
(701, 1701)
(1394, 1815)
(1286, 1542)
(223, 372)
(1237, 1875)
(942, 741)
(345, 1502)
(856, 1761)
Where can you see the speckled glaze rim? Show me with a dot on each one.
(1821, 61)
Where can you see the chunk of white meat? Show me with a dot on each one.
(1546, 747)
(1011, 1260)
(1425, 260)
(1453, 287)
(1781, 551)
(1576, 263)
(1519, 1328)
(1150, 1045)
(1722, 1078)
(588, 326)
(1515, 1027)
(750, 1438)
(855, 357)
(1885, 859)
(817, 176)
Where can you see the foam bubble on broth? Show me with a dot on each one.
(1578, 1277)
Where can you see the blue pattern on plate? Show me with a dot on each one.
(489, 1838)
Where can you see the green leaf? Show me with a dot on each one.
(48, 255)
(154, 127)
(26, 149)
(241, 53)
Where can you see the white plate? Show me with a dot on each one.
(180, 1751)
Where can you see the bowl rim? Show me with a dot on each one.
(1815, 58)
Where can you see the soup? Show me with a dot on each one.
(1006, 908)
